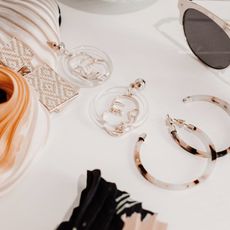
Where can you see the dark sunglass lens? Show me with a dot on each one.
(208, 41)
(3, 96)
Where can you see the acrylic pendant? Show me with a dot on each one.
(119, 110)
(86, 66)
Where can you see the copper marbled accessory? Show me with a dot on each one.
(18, 119)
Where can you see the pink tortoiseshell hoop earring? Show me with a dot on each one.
(172, 124)
(213, 100)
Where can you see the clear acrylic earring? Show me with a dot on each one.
(86, 66)
(119, 110)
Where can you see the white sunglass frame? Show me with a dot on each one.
(184, 5)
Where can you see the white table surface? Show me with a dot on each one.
(137, 47)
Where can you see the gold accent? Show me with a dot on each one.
(24, 71)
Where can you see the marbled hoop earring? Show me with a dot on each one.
(216, 101)
(172, 124)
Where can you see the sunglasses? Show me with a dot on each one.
(208, 36)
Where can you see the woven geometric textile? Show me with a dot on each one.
(53, 90)
(15, 55)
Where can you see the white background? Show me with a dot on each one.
(138, 48)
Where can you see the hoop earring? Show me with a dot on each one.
(172, 124)
(213, 100)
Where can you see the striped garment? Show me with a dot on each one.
(34, 22)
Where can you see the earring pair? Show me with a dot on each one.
(210, 154)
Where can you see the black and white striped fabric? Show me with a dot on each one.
(34, 22)
(102, 206)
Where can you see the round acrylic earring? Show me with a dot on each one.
(216, 101)
(172, 124)
(86, 66)
(119, 110)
